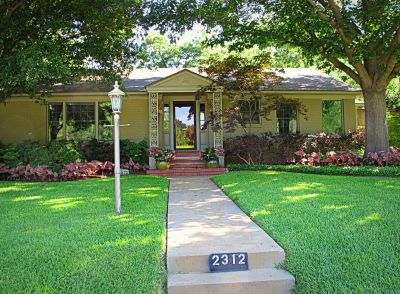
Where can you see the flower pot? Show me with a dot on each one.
(212, 164)
(162, 165)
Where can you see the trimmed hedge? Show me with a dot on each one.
(386, 171)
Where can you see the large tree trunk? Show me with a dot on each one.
(376, 130)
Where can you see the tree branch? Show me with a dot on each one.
(13, 8)
(340, 65)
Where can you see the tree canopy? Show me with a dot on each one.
(47, 42)
(358, 37)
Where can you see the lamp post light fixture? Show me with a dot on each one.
(116, 104)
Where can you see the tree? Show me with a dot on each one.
(48, 42)
(157, 50)
(358, 37)
(244, 77)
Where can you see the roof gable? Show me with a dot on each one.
(184, 80)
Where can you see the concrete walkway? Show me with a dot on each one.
(203, 220)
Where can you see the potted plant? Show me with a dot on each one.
(163, 157)
(210, 156)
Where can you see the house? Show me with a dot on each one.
(160, 106)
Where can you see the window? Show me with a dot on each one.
(55, 121)
(80, 121)
(286, 119)
(202, 116)
(105, 118)
(166, 117)
(250, 111)
(332, 120)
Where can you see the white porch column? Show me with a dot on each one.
(198, 143)
(153, 125)
(219, 134)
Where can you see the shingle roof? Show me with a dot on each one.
(294, 79)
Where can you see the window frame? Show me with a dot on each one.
(64, 118)
(342, 126)
(297, 130)
(258, 104)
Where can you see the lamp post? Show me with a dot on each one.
(116, 104)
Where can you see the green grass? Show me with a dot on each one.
(340, 234)
(364, 170)
(65, 238)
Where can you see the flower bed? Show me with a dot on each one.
(72, 171)
(349, 158)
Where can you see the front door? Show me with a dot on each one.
(185, 124)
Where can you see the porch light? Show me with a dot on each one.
(116, 103)
(116, 98)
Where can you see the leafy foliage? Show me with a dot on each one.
(211, 153)
(157, 51)
(243, 80)
(394, 128)
(48, 42)
(55, 155)
(159, 154)
(280, 149)
(135, 151)
(360, 38)
(349, 158)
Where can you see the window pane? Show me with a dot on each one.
(332, 116)
(202, 116)
(166, 117)
(80, 121)
(286, 119)
(250, 111)
(55, 121)
(105, 118)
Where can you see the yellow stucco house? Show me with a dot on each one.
(157, 107)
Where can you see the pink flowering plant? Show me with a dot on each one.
(166, 154)
(211, 153)
(349, 158)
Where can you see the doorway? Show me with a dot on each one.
(185, 125)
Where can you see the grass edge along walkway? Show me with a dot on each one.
(365, 170)
(340, 234)
(65, 237)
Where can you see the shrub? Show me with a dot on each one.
(387, 171)
(135, 151)
(279, 149)
(211, 153)
(159, 154)
(322, 143)
(349, 158)
(95, 150)
(55, 155)
(394, 128)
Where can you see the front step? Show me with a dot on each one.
(188, 165)
(187, 172)
(265, 255)
(267, 280)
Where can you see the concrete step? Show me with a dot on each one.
(260, 255)
(254, 281)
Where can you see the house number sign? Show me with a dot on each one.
(226, 262)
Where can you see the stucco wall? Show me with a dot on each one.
(136, 113)
(21, 121)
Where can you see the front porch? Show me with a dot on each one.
(177, 120)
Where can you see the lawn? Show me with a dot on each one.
(340, 234)
(65, 238)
